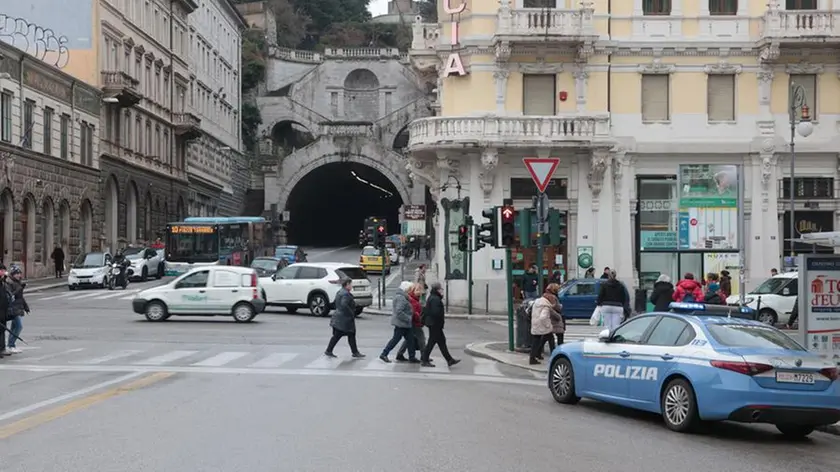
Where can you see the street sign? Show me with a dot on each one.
(414, 212)
(541, 170)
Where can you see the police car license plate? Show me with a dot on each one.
(794, 377)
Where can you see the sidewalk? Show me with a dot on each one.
(46, 283)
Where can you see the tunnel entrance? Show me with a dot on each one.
(329, 205)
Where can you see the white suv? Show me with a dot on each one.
(145, 262)
(777, 296)
(314, 285)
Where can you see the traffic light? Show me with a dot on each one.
(379, 237)
(508, 235)
(492, 227)
(463, 238)
(556, 227)
(525, 228)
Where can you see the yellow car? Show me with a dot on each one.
(372, 260)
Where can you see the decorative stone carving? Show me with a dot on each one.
(768, 162)
(769, 145)
(769, 53)
(657, 67)
(804, 68)
(765, 84)
(597, 168)
(581, 76)
(425, 172)
(501, 78)
(503, 51)
(541, 67)
(723, 68)
(585, 51)
(489, 162)
(451, 166)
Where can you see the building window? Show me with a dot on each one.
(809, 188)
(809, 83)
(655, 97)
(523, 189)
(48, 119)
(83, 145)
(148, 138)
(166, 150)
(800, 4)
(28, 123)
(64, 141)
(89, 149)
(723, 7)
(6, 116)
(721, 98)
(540, 4)
(159, 143)
(656, 7)
(538, 93)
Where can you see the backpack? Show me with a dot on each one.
(689, 297)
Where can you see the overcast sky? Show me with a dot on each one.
(378, 7)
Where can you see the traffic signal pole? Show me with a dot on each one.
(542, 209)
(509, 283)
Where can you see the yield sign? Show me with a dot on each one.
(541, 170)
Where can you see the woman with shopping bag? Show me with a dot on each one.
(612, 298)
(542, 329)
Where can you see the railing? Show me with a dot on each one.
(186, 119)
(118, 79)
(800, 24)
(546, 22)
(508, 130)
(294, 55)
(362, 53)
(347, 129)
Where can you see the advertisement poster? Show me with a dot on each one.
(720, 261)
(708, 203)
(820, 306)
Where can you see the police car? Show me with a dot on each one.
(701, 363)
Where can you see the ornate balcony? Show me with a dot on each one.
(540, 25)
(800, 27)
(507, 131)
(122, 87)
(187, 126)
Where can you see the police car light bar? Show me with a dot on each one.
(743, 312)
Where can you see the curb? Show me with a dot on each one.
(45, 287)
(830, 429)
(482, 351)
(454, 316)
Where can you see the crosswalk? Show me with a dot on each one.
(82, 296)
(239, 358)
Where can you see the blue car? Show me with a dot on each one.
(579, 296)
(701, 363)
(291, 254)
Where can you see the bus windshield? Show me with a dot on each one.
(183, 246)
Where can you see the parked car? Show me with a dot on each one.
(145, 262)
(204, 291)
(393, 252)
(371, 260)
(268, 266)
(292, 254)
(701, 363)
(89, 270)
(777, 295)
(314, 286)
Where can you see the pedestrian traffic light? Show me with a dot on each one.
(508, 236)
(463, 238)
(379, 236)
(556, 227)
(492, 228)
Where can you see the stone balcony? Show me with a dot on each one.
(121, 87)
(187, 126)
(801, 27)
(540, 25)
(459, 132)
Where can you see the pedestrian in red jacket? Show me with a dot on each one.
(688, 290)
(414, 292)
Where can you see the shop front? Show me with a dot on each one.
(687, 223)
(808, 221)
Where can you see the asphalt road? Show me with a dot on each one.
(100, 389)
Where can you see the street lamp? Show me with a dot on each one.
(800, 121)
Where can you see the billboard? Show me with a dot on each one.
(708, 207)
(819, 305)
(47, 29)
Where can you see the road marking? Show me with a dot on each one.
(79, 297)
(375, 290)
(323, 362)
(486, 367)
(378, 365)
(56, 296)
(130, 297)
(440, 368)
(221, 359)
(331, 251)
(288, 372)
(109, 357)
(55, 354)
(116, 294)
(78, 404)
(166, 358)
(273, 360)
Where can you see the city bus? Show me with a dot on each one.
(198, 241)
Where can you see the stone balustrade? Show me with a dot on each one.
(508, 131)
(806, 25)
(528, 23)
(347, 129)
(362, 53)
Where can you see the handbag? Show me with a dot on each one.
(596, 319)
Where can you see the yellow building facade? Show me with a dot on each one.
(629, 96)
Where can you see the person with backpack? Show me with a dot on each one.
(17, 306)
(688, 290)
(713, 295)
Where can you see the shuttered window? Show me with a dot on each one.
(809, 83)
(723, 7)
(721, 98)
(801, 5)
(538, 94)
(656, 7)
(655, 97)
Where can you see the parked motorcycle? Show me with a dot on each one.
(119, 275)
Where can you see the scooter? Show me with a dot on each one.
(119, 276)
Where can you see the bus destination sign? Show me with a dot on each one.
(192, 230)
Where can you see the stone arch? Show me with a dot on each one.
(400, 141)
(361, 96)
(64, 219)
(287, 136)
(131, 212)
(86, 226)
(47, 229)
(361, 79)
(7, 214)
(28, 226)
(111, 198)
(282, 109)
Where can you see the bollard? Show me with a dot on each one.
(523, 328)
(487, 298)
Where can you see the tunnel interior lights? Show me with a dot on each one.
(353, 173)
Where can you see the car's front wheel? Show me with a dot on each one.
(795, 430)
(156, 311)
(243, 313)
(318, 305)
(679, 406)
(561, 381)
(768, 316)
(161, 269)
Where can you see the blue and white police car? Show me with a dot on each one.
(701, 363)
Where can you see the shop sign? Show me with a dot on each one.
(656, 205)
(708, 206)
(658, 240)
(454, 64)
(820, 306)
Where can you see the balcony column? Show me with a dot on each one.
(765, 86)
(763, 179)
(581, 76)
(601, 228)
(623, 235)
(501, 77)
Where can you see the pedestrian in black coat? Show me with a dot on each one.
(343, 320)
(662, 294)
(434, 318)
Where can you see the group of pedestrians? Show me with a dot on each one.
(713, 290)
(13, 308)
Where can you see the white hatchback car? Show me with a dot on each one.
(204, 291)
(773, 299)
(314, 285)
(89, 270)
(145, 262)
